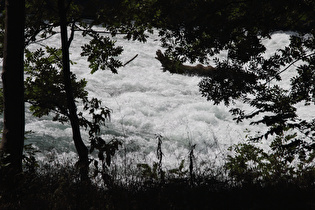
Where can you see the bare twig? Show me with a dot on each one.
(100, 32)
(71, 35)
(286, 68)
(41, 40)
(130, 60)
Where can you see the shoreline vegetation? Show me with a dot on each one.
(274, 80)
(57, 185)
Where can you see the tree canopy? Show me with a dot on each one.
(199, 30)
(48, 73)
(194, 31)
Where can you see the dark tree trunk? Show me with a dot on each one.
(79, 144)
(13, 86)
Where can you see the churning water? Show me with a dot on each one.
(146, 101)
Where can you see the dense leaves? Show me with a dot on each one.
(189, 30)
(228, 82)
(237, 29)
(50, 85)
(252, 164)
(101, 52)
(45, 92)
(44, 85)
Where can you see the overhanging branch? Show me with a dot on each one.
(130, 60)
(286, 68)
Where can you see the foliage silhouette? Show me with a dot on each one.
(247, 74)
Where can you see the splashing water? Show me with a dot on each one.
(146, 101)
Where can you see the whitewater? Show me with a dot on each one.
(145, 102)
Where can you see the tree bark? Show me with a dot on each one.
(82, 150)
(13, 86)
(175, 67)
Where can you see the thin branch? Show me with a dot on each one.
(130, 60)
(41, 40)
(100, 32)
(71, 35)
(40, 44)
(289, 67)
(57, 110)
(38, 31)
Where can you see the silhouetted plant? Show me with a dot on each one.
(179, 172)
(248, 73)
(45, 92)
(191, 164)
(155, 172)
(29, 158)
(106, 151)
(286, 162)
(159, 155)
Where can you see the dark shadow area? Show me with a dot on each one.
(58, 187)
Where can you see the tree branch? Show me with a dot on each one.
(286, 68)
(131, 60)
(100, 32)
(71, 35)
(40, 40)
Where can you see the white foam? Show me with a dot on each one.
(146, 101)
